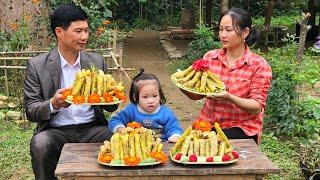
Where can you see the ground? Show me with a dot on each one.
(144, 50)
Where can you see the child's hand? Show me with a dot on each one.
(173, 139)
(121, 130)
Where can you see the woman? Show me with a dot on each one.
(247, 77)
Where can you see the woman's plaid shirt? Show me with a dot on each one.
(249, 78)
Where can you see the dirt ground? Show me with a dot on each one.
(144, 50)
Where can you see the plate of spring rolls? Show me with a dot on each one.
(136, 146)
(202, 82)
(200, 145)
(94, 87)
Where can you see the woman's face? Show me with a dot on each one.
(228, 35)
(149, 97)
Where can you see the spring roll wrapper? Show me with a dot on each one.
(202, 147)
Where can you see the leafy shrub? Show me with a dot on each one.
(202, 43)
(310, 159)
(284, 109)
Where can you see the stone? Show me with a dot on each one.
(3, 98)
(3, 104)
(2, 116)
(14, 115)
(12, 105)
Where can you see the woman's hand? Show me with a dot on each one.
(192, 96)
(224, 95)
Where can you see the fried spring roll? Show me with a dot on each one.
(149, 140)
(190, 150)
(87, 87)
(196, 146)
(94, 81)
(183, 73)
(193, 81)
(125, 144)
(207, 142)
(222, 147)
(100, 87)
(181, 140)
(216, 79)
(203, 81)
(211, 86)
(137, 145)
(78, 83)
(143, 144)
(185, 146)
(213, 143)
(156, 144)
(188, 77)
(132, 151)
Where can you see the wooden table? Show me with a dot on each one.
(79, 161)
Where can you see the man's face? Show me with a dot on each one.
(75, 37)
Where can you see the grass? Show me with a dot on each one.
(15, 160)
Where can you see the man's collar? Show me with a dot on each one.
(65, 62)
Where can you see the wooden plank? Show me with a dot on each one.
(81, 159)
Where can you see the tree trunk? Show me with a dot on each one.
(208, 12)
(224, 5)
(303, 33)
(269, 13)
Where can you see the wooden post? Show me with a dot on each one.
(6, 78)
(303, 33)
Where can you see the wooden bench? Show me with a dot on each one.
(79, 161)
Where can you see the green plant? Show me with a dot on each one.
(284, 111)
(284, 153)
(19, 37)
(204, 41)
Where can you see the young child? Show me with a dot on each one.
(147, 108)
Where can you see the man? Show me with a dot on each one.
(46, 77)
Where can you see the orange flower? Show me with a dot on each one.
(106, 22)
(159, 156)
(36, 1)
(131, 161)
(66, 93)
(14, 26)
(94, 98)
(77, 99)
(106, 158)
(120, 95)
(202, 125)
(108, 98)
(100, 29)
(27, 17)
(134, 125)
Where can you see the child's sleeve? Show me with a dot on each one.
(121, 119)
(172, 125)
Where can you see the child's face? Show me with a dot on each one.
(149, 97)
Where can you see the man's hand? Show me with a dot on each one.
(57, 100)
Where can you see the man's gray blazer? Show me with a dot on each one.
(42, 80)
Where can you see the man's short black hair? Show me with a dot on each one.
(65, 14)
